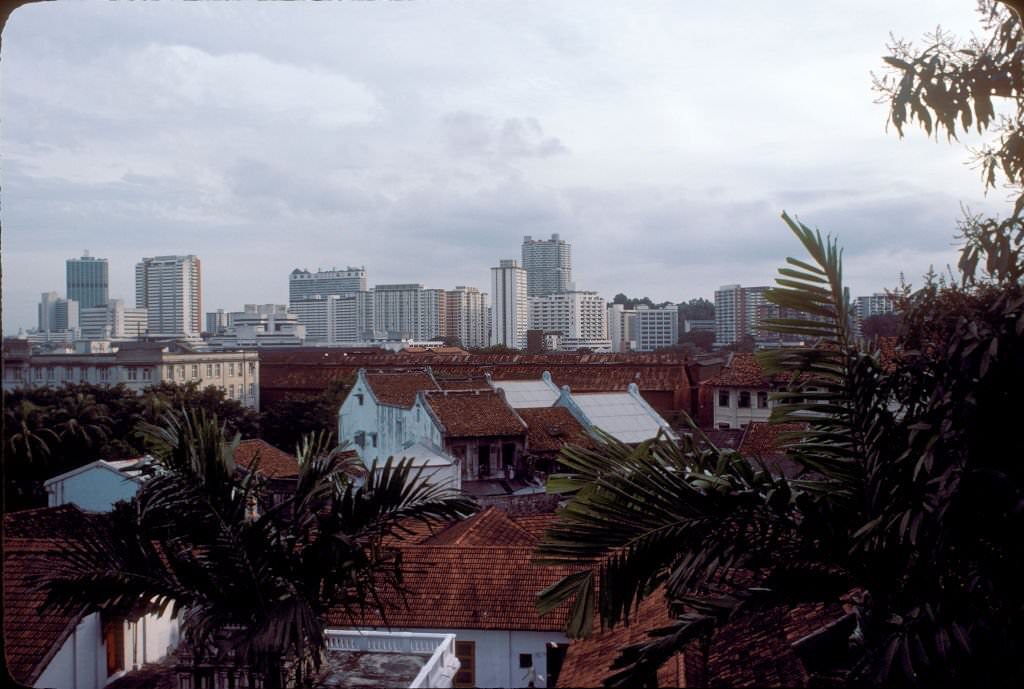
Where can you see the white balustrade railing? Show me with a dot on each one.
(437, 672)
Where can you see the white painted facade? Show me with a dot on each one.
(622, 328)
(113, 320)
(738, 407)
(510, 311)
(497, 652)
(94, 487)
(81, 661)
(378, 431)
(303, 284)
(548, 263)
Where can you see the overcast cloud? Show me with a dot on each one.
(423, 139)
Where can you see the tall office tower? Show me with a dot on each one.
(337, 318)
(56, 314)
(622, 328)
(576, 315)
(656, 328)
(114, 320)
(433, 321)
(48, 311)
(398, 309)
(170, 288)
(88, 281)
(467, 316)
(303, 284)
(216, 321)
(511, 310)
(548, 264)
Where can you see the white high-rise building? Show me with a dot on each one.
(467, 316)
(170, 288)
(580, 318)
(877, 304)
(548, 264)
(336, 319)
(303, 284)
(56, 314)
(433, 318)
(622, 328)
(397, 310)
(114, 321)
(656, 328)
(511, 310)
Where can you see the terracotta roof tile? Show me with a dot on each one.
(474, 413)
(32, 539)
(273, 463)
(537, 524)
(551, 428)
(743, 371)
(492, 527)
(468, 587)
(399, 388)
(752, 650)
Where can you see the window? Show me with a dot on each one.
(525, 660)
(169, 373)
(39, 374)
(252, 368)
(465, 651)
(209, 370)
(723, 398)
(373, 439)
(105, 373)
(252, 390)
(147, 374)
(113, 639)
(762, 400)
(216, 370)
(69, 373)
(231, 369)
(181, 372)
(83, 373)
(49, 372)
(231, 391)
(133, 373)
(360, 438)
(195, 370)
(744, 402)
(359, 398)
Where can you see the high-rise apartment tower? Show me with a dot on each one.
(170, 287)
(548, 264)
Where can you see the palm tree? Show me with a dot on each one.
(263, 582)
(912, 494)
(28, 439)
(82, 424)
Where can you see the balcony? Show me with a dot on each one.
(389, 659)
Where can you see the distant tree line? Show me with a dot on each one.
(48, 431)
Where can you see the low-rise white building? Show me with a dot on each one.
(138, 365)
(626, 416)
(741, 393)
(96, 486)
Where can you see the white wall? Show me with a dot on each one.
(93, 490)
(81, 662)
(497, 653)
(736, 416)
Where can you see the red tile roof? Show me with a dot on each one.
(762, 439)
(32, 541)
(551, 428)
(474, 413)
(492, 527)
(536, 524)
(743, 371)
(468, 587)
(399, 388)
(753, 650)
(273, 463)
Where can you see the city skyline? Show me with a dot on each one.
(430, 164)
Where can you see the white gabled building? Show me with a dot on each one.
(96, 486)
(626, 416)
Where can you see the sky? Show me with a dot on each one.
(423, 139)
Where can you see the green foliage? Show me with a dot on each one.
(190, 541)
(912, 495)
(285, 422)
(951, 88)
(698, 309)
